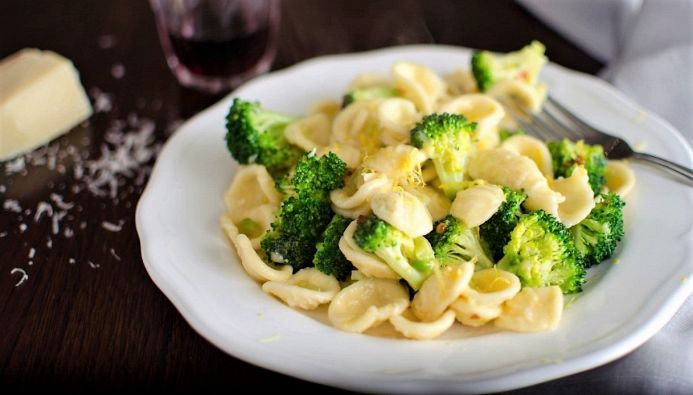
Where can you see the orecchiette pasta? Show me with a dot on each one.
(460, 82)
(477, 204)
(483, 110)
(440, 290)
(400, 163)
(418, 84)
(251, 201)
(519, 93)
(330, 108)
(357, 125)
(534, 149)
(481, 301)
(579, 197)
(307, 289)
(619, 177)
(368, 80)
(354, 199)
(500, 166)
(436, 202)
(255, 266)
(368, 264)
(397, 117)
(532, 310)
(350, 155)
(311, 132)
(404, 211)
(367, 303)
(422, 330)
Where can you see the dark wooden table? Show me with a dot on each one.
(88, 315)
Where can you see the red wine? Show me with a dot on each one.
(221, 58)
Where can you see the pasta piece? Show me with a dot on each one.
(483, 110)
(404, 211)
(418, 84)
(500, 166)
(307, 289)
(401, 163)
(251, 202)
(477, 204)
(357, 125)
(436, 202)
(368, 264)
(440, 290)
(422, 330)
(519, 93)
(428, 172)
(255, 266)
(534, 149)
(532, 310)
(397, 117)
(252, 186)
(330, 108)
(460, 82)
(368, 80)
(367, 303)
(350, 155)
(309, 133)
(352, 200)
(579, 197)
(481, 302)
(619, 177)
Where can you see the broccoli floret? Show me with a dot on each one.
(371, 93)
(490, 68)
(541, 252)
(496, 231)
(448, 139)
(454, 243)
(505, 134)
(328, 257)
(566, 156)
(249, 228)
(256, 135)
(597, 236)
(305, 212)
(412, 258)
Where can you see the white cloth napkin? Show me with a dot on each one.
(647, 46)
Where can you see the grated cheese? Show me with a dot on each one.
(23, 278)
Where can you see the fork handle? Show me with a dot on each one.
(672, 167)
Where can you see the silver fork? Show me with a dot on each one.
(555, 122)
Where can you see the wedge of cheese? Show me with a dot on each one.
(40, 98)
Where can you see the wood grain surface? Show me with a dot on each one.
(89, 316)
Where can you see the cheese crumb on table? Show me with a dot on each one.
(40, 98)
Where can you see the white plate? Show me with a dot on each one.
(622, 306)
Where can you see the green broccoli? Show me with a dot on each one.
(328, 257)
(453, 242)
(412, 258)
(496, 231)
(448, 139)
(566, 156)
(370, 93)
(256, 135)
(597, 236)
(505, 134)
(305, 212)
(541, 252)
(490, 68)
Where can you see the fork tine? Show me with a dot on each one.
(548, 132)
(524, 124)
(566, 113)
(571, 133)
